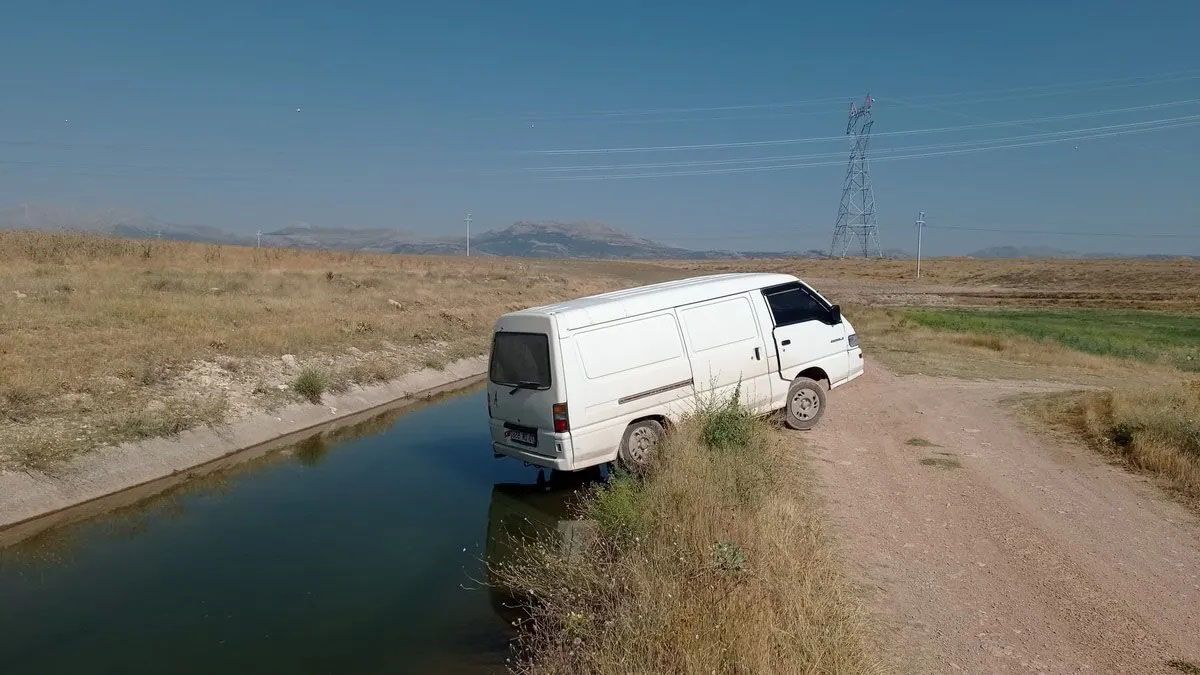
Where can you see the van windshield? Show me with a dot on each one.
(521, 360)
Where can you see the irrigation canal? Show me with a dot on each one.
(359, 551)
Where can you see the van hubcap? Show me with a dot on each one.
(641, 444)
(805, 404)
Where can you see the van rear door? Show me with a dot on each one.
(522, 390)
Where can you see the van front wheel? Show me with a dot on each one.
(805, 403)
(638, 444)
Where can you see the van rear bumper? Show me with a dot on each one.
(556, 463)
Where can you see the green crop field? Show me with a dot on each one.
(1155, 337)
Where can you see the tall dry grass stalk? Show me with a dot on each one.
(715, 562)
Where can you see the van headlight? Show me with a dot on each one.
(853, 340)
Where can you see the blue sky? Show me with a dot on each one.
(413, 114)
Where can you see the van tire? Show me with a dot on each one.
(638, 444)
(805, 404)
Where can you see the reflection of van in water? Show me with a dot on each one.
(520, 514)
(584, 382)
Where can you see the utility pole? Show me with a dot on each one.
(920, 226)
(468, 221)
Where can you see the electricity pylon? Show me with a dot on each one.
(856, 212)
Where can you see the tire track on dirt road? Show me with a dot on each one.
(1002, 552)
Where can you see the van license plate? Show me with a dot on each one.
(521, 436)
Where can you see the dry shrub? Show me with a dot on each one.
(992, 342)
(1156, 429)
(172, 417)
(713, 563)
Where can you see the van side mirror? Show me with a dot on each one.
(835, 315)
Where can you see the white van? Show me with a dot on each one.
(593, 380)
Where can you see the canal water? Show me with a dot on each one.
(357, 552)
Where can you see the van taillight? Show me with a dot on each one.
(561, 423)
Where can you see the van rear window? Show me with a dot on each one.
(521, 360)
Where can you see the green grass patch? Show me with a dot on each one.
(310, 384)
(921, 443)
(1153, 337)
(616, 508)
(725, 424)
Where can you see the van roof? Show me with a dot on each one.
(614, 305)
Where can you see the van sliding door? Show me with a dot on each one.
(727, 351)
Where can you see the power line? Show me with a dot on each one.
(977, 118)
(820, 155)
(825, 139)
(628, 112)
(1076, 233)
(1187, 121)
(1036, 91)
(1016, 92)
(774, 233)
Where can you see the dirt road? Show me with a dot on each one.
(995, 550)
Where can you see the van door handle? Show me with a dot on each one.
(786, 343)
(756, 355)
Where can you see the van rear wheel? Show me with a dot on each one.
(805, 403)
(639, 443)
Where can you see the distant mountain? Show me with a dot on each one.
(553, 239)
(311, 236)
(810, 253)
(1022, 252)
(116, 222)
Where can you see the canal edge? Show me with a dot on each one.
(117, 476)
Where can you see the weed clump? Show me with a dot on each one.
(725, 424)
(616, 508)
(310, 384)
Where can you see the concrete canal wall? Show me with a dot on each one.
(113, 476)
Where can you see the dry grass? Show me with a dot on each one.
(97, 333)
(714, 563)
(1104, 283)
(1151, 428)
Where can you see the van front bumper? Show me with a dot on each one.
(556, 463)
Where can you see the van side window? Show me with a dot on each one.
(792, 303)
